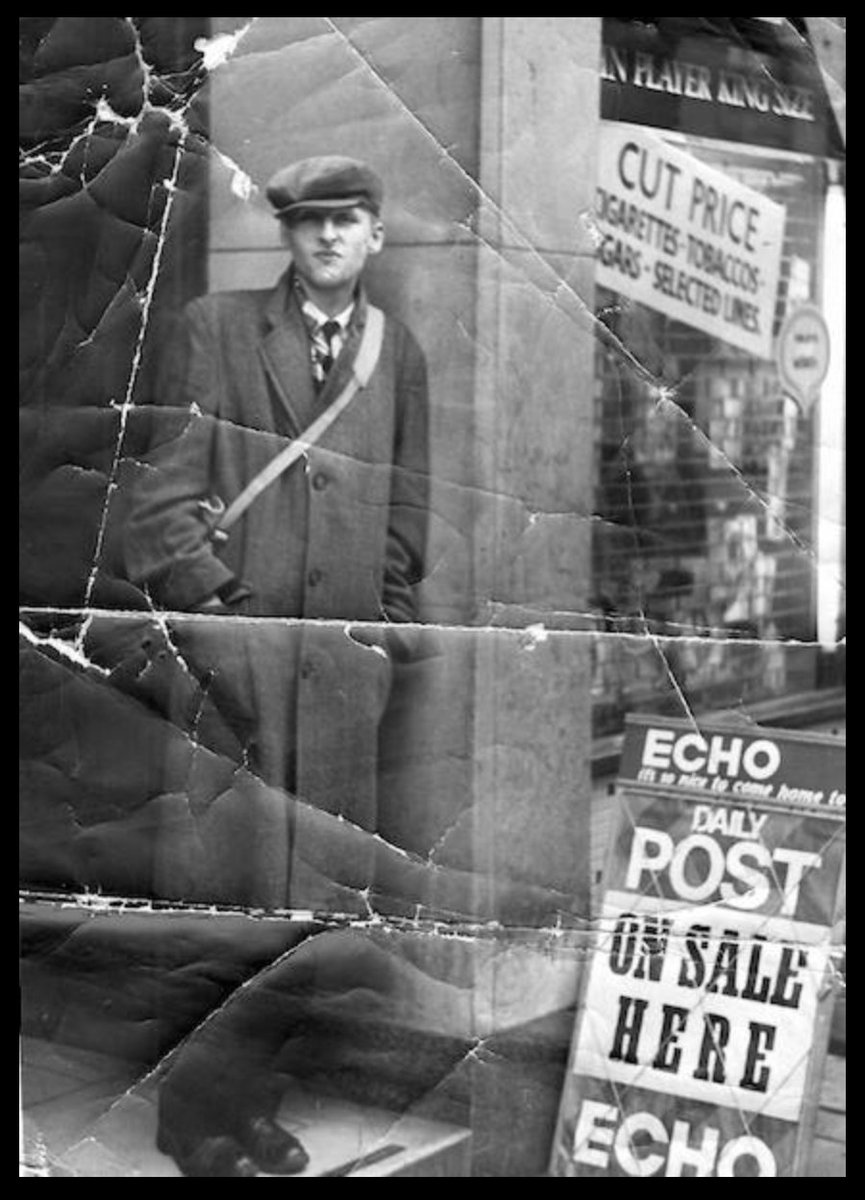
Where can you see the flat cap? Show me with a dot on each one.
(330, 181)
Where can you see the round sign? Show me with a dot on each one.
(803, 354)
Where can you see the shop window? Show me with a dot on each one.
(705, 476)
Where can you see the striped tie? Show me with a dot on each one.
(329, 330)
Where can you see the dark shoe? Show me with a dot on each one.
(273, 1149)
(211, 1158)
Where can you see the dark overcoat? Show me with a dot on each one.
(341, 534)
(339, 538)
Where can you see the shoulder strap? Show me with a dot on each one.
(368, 350)
(361, 372)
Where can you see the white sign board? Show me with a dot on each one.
(686, 239)
(704, 1016)
(803, 354)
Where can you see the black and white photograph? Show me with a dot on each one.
(432, 597)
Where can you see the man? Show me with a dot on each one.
(343, 537)
(338, 535)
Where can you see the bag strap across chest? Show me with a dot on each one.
(361, 372)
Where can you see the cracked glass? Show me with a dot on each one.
(318, 805)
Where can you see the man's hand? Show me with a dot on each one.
(226, 599)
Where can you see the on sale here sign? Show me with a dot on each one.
(696, 1041)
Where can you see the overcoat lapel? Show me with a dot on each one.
(285, 350)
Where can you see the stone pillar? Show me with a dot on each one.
(531, 716)
(533, 440)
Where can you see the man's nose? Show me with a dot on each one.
(327, 231)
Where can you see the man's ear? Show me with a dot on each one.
(376, 237)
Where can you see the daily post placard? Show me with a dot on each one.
(703, 1022)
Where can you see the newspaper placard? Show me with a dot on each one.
(696, 1039)
(792, 769)
(686, 239)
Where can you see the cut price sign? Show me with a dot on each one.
(686, 239)
(698, 1036)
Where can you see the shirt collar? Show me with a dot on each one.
(311, 310)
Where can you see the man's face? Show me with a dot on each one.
(330, 247)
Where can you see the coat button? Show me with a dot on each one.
(320, 481)
(307, 669)
(314, 577)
